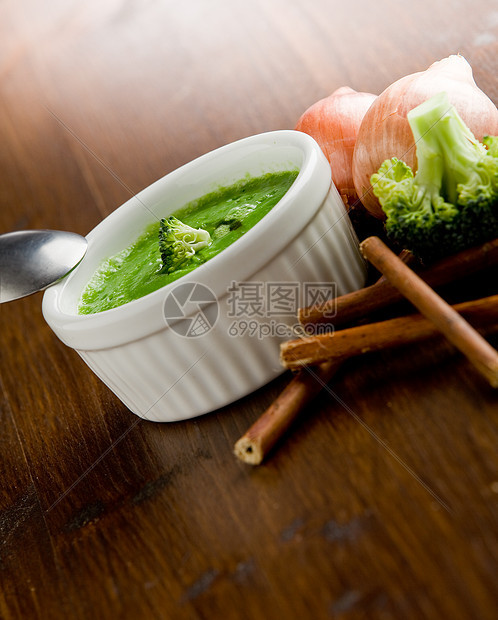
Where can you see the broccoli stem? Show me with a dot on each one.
(447, 151)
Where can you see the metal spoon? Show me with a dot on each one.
(31, 260)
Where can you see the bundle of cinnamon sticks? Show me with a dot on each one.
(316, 358)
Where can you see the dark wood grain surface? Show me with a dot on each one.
(382, 501)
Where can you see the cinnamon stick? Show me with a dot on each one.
(262, 436)
(255, 444)
(380, 295)
(456, 329)
(346, 343)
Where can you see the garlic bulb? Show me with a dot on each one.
(385, 132)
(334, 123)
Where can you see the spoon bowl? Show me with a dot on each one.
(32, 260)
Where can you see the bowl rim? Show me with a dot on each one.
(267, 239)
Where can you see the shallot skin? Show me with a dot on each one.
(334, 122)
(385, 133)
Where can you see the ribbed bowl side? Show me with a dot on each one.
(167, 377)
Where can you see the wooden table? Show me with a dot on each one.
(382, 502)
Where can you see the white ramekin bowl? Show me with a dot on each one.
(162, 375)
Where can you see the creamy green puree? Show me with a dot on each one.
(135, 271)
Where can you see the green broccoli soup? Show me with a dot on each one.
(176, 245)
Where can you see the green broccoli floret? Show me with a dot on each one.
(178, 242)
(451, 203)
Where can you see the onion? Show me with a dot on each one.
(385, 132)
(334, 123)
